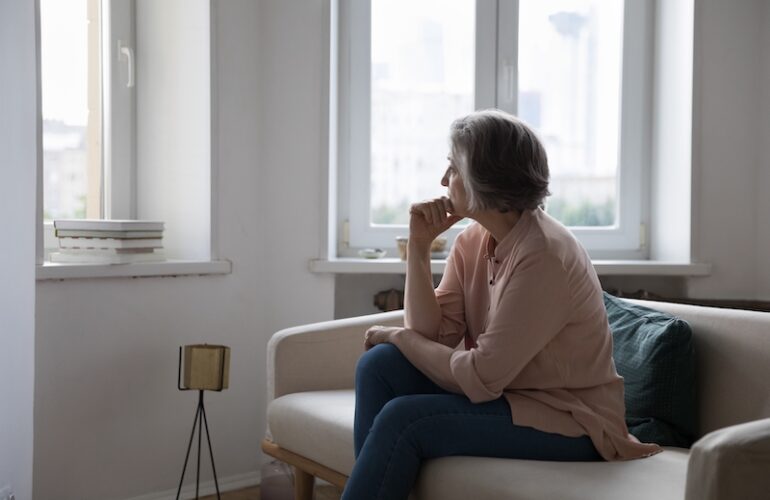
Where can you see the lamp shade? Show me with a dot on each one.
(206, 367)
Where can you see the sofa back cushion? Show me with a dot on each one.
(654, 354)
(733, 362)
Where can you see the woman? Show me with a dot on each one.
(511, 355)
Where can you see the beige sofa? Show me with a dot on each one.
(311, 401)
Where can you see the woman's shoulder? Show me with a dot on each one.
(548, 232)
(550, 240)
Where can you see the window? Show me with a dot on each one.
(87, 107)
(576, 70)
(126, 112)
(71, 97)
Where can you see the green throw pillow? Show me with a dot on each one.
(654, 354)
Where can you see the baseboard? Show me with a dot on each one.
(229, 483)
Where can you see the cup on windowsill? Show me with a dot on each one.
(437, 247)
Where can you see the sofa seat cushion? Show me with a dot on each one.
(659, 477)
(319, 425)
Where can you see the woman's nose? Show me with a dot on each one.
(445, 181)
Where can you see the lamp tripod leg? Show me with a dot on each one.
(201, 411)
(211, 452)
(187, 455)
(200, 421)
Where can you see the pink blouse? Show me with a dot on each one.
(531, 310)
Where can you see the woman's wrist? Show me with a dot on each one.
(419, 245)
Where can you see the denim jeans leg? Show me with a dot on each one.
(411, 429)
(383, 373)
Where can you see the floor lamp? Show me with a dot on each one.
(206, 368)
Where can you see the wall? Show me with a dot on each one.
(18, 167)
(292, 195)
(762, 186)
(173, 115)
(109, 422)
(727, 141)
(671, 167)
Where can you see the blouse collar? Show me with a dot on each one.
(499, 250)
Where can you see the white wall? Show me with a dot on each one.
(110, 423)
(670, 207)
(727, 142)
(292, 186)
(18, 167)
(173, 115)
(762, 186)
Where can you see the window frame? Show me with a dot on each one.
(119, 109)
(115, 172)
(496, 86)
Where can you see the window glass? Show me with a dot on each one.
(569, 90)
(68, 142)
(422, 78)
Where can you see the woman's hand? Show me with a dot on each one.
(380, 335)
(429, 219)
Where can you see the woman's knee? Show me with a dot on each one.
(398, 414)
(382, 357)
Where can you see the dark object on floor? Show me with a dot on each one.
(277, 481)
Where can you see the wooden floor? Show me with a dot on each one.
(322, 492)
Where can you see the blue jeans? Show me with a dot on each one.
(403, 418)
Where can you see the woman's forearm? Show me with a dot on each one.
(422, 312)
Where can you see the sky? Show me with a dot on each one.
(64, 29)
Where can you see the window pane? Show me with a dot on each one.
(422, 78)
(569, 90)
(65, 100)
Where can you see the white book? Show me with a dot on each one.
(109, 243)
(107, 225)
(97, 257)
(122, 235)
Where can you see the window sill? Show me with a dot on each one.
(56, 271)
(603, 267)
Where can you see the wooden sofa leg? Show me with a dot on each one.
(303, 484)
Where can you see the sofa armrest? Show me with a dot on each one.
(319, 356)
(732, 462)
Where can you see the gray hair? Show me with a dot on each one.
(501, 161)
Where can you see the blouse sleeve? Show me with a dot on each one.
(533, 309)
(451, 299)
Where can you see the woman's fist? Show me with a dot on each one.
(380, 335)
(430, 218)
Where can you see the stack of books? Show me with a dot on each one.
(108, 241)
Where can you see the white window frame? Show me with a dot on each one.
(118, 115)
(496, 86)
(119, 109)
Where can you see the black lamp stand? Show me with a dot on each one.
(200, 421)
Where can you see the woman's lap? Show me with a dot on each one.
(403, 418)
(450, 424)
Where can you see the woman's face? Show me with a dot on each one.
(455, 187)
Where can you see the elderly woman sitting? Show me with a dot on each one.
(511, 356)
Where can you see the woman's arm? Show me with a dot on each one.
(417, 349)
(422, 312)
(533, 309)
